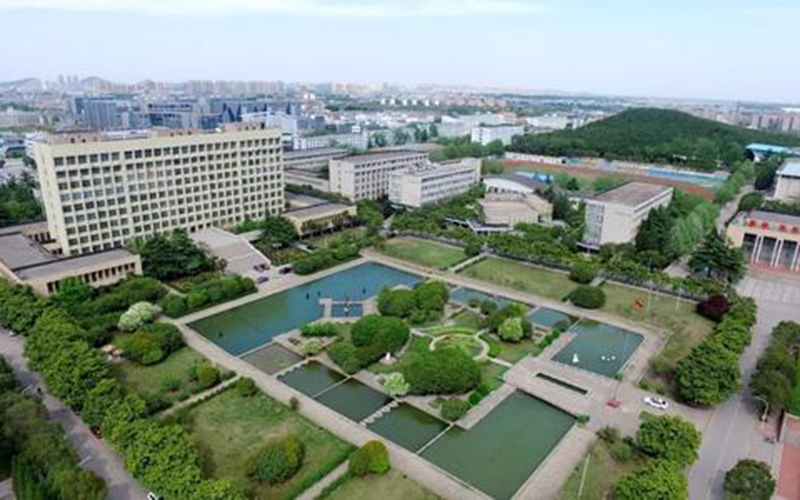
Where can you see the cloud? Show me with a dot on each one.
(367, 9)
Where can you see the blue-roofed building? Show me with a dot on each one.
(761, 151)
(787, 181)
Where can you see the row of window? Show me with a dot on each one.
(104, 275)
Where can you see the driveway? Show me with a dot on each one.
(94, 454)
(734, 431)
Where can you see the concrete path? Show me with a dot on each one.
(200, 396)
(734, 431)
(314, 491)
(94, 454)
(6, 492)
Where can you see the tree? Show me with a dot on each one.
(511, 330)
(395, 385)
(400, 137)
(668, 437)
(137, 315)
(654, 234)
(372, 458)
(588, 297)
(399, 303)
(169, 257)
(379, 140)
(708, 375)
(749, 480)
(443, 371)
(658, 480)
(279, 231)
(717, 260)
(278, 461)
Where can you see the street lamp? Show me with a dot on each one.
(766, 407)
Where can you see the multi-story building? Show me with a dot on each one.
(100, 191)
(787, 181)
(432, 182)
(101, 115)
(767, 239)
(312, 159)
(504, 132)
(357, 141)
(366, 176)
(615, 215)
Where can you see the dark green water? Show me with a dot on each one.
(501, 451)
(408, 426)
(354, 400)
(601, 348)
(312, 378)
(272, 358)
(549, 317)
(256, 323)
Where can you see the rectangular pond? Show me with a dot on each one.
(253, 324)
(548, 318)
(501, 451)
(408, 426)
(339, 310)
(272, 358)
(463, 295)
(311, 378)
(354, 400)
(599, 347)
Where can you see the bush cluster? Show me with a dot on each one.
(588, 297)
(424, 302)
(324, 329)
(323, 259)
(777, 375)
(453, 409)
(372, 458)
(714, 307)
(278, 461)
(151, 343)
(372, 337)
(213, 290)
(443, 371)
(583, 273)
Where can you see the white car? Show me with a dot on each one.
(152, 496)
(656, 402)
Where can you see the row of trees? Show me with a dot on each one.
(18, 203)
(424, 302)
(463, 147)
(44, 465)
(776, 381)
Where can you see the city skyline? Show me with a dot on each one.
(719, 50)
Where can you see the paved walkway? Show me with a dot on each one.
(6, 492)
(789, 471)
(313, 492)
(93, 453)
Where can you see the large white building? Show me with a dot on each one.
(615, 215)
(484, 134)
(366, 176)
(433, 182)
(100, 191)
(354, 140)
(787, 181)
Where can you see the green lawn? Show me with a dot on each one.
(331, 239)
(159, 380)
(424, 253)
(468, 319)
(467, 345)
(688, 328)
(492, 374)
(601, 475)
(390, 486)
(279, 257)
(512, 352)
(536, 280)
(228, 429)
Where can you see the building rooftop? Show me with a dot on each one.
(61, 266)
(432, 169)
(314, 153)
(302, 200)
(17, 251)
(29, 227)
(384, 155)
(68, 138)
(764, 216)
(519, 179)
(632, 194)
(790, 168)
(317, 210)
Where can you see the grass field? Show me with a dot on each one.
(153, 381)
(424, 253)
(513, 352)
(228, 429)
(330, 239)
(492, 374)
(391, 486)
(468, 319)
(688, 328)
(536, 280)
(601, 475)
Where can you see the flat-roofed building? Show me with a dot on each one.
(312, 159)
(787, 181)
(354, 140)
(767, 239)
(615, 215)
(509, 209)
(366, 177)
(102, 190)
(433, 182)
(318, 218)
(25, 261)
(503, 132)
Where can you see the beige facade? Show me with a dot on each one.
(768, 239)
(432, 182)
(509, 209)
(366, 177)
(787, 181)
(318, 218)
(615, 215)
(101, 191)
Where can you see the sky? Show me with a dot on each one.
(711, 49)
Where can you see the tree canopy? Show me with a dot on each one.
(749, 480)
(168, 257)
(715, 259)
(669, 437)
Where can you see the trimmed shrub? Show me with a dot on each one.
(588, 297)
(583, 273)
(345, 355)
(137, 315)
(443, 371)
(372, 458)
(207, 375)
(312, 347)
(246, 387)
(454, 408)
(715, 307)
(278, 461)
(325, 329)
(511, 330)
(152, 343)
(174, 305)
(395, 385)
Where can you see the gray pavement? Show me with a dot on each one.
(734, 431)
(94, 454)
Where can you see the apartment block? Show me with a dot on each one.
(615, 215)
(366, 177)
(504, 132)
(102, 190)
(787, 181)
(433, 182)
(354, 140)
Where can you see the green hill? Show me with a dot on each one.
(653, 135)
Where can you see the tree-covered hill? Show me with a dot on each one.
(653, 135)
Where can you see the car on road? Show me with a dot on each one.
(656, 402)
(262, 279)
(286, 270)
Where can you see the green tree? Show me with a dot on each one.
(749, 480)
(658, 480)
(168, 257)
(395, 385)
(511, 330)
(279, 231)
(708, 375)
(717, 260)
(372, 458)
(672, 438)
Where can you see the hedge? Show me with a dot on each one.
(372, 458)
(588, 297)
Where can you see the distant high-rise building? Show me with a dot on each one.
(102, 115)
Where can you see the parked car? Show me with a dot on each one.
(262, 279)
(286, 270)
(656, 402)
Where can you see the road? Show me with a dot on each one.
(93, 453)
(734, 431)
